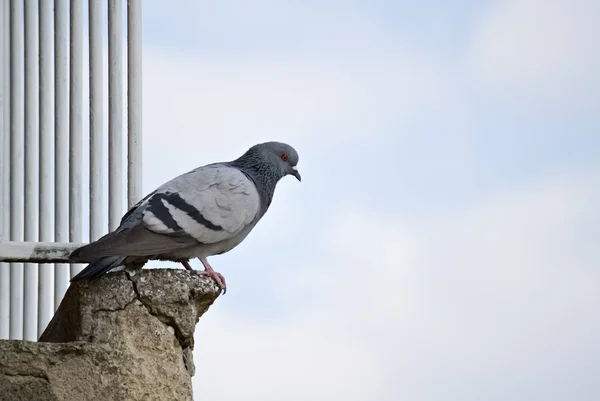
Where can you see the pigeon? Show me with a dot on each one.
(206, 211)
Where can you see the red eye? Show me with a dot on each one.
(284, 157)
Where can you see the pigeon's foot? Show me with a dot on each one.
(186, 264)
(209, 272)
(218, 277)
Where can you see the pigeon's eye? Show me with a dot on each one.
(284, 157)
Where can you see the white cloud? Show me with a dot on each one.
(536, 51)
(292, 361)
(485, 304)
(205, 109)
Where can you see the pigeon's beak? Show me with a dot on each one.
(296, 174)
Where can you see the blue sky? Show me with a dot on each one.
(443, 243)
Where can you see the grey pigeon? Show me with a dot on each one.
(207, 211)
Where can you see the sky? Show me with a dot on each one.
(442, 245)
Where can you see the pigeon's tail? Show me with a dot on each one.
(99, 267)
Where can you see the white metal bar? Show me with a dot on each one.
(134, 101)
(3, 104)
(5, 166)
(16, 162)
(61, 142)
(96, 119)
(115, 112)
(46, 273)
(36, 252)
(75, 126)
(4, 60)
(31, 166)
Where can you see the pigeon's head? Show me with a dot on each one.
(280, 156)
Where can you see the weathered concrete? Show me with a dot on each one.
(120, 337)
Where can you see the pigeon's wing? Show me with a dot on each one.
(207, 205)
(211, 204)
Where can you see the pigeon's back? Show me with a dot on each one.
(211, 204)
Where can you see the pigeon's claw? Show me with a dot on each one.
(209, 272)
(218, 277)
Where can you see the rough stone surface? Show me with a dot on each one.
(121, 337)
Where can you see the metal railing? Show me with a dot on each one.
(42, 78)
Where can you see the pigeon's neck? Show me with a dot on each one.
(264, 176)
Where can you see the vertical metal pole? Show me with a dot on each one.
(96, 120)
(115, 112)
(134, 101)
(31, 166)
(61, 142)
(45, 271)
(16, 162)
(75, 126)
(4, 166)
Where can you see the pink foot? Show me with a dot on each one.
(218, 277)
(186, 264)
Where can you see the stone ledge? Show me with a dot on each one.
(121, 337)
